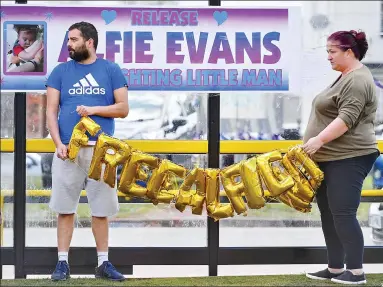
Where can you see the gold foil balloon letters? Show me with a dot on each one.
(307, 177)
(160, 181)
(234, 189)
(215, 209)
(275, 186)
(194, 198)
(111, 152)
(292, 178)
(79, 138)
(132, 170)
(253, 185)
(315, 175)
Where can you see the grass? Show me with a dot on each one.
(368, 183)
(265, 280)
(147, 211)
(273, 211)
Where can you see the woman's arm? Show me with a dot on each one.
(30, 52)
(29, 66)
(334, 130)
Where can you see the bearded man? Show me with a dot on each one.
(83, 86)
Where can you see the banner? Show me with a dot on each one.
(160, 49)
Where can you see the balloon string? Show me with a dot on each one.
(78, 166)
(300, 167)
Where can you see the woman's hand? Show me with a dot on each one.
(313, 145)
(15, 60)
(39, 55)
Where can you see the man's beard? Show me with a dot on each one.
(80, 55)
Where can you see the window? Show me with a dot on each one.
(381, 18)
(6, 114)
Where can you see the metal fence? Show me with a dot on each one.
(41, 260)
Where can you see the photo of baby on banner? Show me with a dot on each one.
(291, 178)
(24, 48)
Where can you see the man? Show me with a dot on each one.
(85, 86)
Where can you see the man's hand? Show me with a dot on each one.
(85, 111)
(313, 145)
(62, 151)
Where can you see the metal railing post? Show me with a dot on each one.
(19, 179)
(213, 117)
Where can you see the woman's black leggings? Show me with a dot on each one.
(338, 199)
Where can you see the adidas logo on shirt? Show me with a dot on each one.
(87, 86)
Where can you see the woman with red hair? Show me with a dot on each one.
(340, 137)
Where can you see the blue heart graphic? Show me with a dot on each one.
(220, 17)
(108, 16)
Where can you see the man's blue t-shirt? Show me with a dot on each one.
(88, 85)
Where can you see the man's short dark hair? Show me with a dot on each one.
(88, 31)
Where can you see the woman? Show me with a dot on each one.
(340, 137)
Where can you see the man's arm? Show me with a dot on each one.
(118, 110)
(53, 100)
